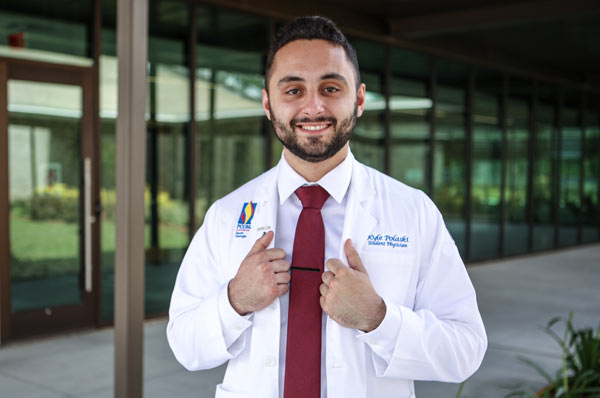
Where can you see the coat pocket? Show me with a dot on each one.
(222, 392)
(392, 275)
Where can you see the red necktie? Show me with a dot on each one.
(303, 352)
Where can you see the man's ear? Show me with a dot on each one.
(265, 103)
(360, 99)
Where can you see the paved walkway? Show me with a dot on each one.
(516, 298)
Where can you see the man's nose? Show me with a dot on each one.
(313, 104)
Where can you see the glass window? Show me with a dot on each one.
(449, 174)
(591, 178)
(45, 178)
(486, 168)
(367, 139)
(168, 115)
(57, 31)
(410, 130)
(517, 166)
(108, 113)
(167, 215)
(570, 170)
(543, 175)
(231, 126)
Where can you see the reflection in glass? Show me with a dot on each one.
(231, 126)
(449, 174)
(168, 107)
(44, 192)
(108, 70)
(168, 115)
(515, 192)
(569, 199)
(545, 153)
(47, 32)
(367, 140)
(591, 176)
(410, 131)
(108, 198)
(487, 174)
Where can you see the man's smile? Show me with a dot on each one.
(313, 128)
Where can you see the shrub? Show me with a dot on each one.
(55, 202)
(579, 376)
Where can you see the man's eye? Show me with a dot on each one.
(331, 90)
(293, 91)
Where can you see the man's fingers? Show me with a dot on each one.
(353, 258)
(322, 301)
(282, 278)
(323, 288)
(326, 277)
(262, 243)
(334, 265)
(280, 266)
(282, 289)
(275, 253)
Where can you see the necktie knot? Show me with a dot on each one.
(312, 196)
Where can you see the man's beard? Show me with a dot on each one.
(316, 150)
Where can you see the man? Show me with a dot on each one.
(323, 277)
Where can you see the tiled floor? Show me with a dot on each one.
(516, 298)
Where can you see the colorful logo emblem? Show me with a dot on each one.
(247, 213)
(245, 220)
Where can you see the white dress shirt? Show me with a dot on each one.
(336, 183)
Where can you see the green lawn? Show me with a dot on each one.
(42, 240)
(41, 248)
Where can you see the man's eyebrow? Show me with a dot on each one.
(289, 79)
(334, 76)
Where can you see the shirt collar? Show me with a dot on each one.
(336, 182)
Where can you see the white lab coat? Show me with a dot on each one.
(430, 301)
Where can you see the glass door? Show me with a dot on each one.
(47, 135)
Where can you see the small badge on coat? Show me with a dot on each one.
(244, 223)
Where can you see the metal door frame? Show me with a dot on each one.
(36, 322)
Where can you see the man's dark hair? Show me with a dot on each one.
(310, 28)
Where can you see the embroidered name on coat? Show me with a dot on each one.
(393, 241)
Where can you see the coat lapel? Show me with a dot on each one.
(266, 324)
(359, 222)
(346, 357)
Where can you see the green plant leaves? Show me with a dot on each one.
(579, 376)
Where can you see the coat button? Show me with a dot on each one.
(269, 361)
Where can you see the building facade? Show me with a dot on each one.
(511, 155)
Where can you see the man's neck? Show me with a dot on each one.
(313, 172)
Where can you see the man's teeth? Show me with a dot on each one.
(314, 128)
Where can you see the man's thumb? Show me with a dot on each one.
(353, 258)
(262, 243)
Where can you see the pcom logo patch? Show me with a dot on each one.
(244, 223)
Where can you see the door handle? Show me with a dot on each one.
(88, 219)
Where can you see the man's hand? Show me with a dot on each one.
(347, 294)
(262, 277)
